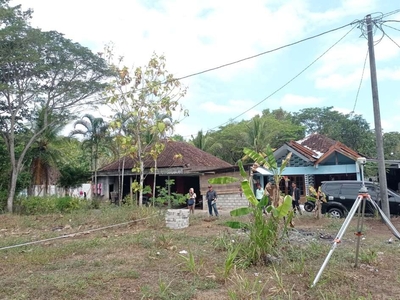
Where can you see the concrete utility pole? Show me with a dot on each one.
(377, 118)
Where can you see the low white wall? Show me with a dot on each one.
(228, 201)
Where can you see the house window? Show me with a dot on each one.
(299, 180)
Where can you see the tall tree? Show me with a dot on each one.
(45, 151)
(205, 142)
(40, 70)
(391, 145)
(74, 165)
(94, 131)
(144, 95)
(350, 129)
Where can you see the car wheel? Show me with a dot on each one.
(309, 206)
(336, 213)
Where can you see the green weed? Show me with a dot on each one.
(189, 264)
(245, 288)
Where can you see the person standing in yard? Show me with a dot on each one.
(260, 194)
(211, 197)
(191, 200)
(295, 193)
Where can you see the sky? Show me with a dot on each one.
(197, 35)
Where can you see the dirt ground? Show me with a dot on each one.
(149, 261)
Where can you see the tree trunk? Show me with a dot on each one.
(95, 172)
(154, 182)
(121, 186)
(141, 182)
(13, 187)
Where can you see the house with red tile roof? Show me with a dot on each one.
(314, 159)
(180, 161)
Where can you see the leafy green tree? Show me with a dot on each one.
(352, 130)
(391, 145)
(74, 164)
(144, 95)
(40, 70)
(278, 114)
(178, 138)
(232, 141)
(205, 142)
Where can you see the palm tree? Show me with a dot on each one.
(45, 152)
(94, 133)
(256, 135)
(206, 142)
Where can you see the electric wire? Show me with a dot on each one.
(244, 59)
(390, 27)
(361, 80)
(385, 34)
(391, 13)
(287, 83)
(361, 23)
(73, 234)
(266, 52)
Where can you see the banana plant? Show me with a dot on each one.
(263, 230)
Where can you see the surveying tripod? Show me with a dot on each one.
(359, 204)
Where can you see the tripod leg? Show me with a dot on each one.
(385, 219)
(338, 238)
(360, 227)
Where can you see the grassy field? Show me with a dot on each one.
(145, 260)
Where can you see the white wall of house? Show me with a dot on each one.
(78, 192)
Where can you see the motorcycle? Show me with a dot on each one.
(309, 206)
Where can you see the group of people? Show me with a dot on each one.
(211, 197)
(294, 192)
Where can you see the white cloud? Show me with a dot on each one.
(342, 65)
(341, 81)
(290, 100)
(389, 73)
(231, 107)
(342, 110)
(200, 34)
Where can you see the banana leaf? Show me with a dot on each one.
(236, 224)
(283, 209)
(241, 211)
(248, 192)
(264, 202)
(271, 161)
(241, 169)
(222, 180)
(258, 158)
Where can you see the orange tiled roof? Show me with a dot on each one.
(175, 154)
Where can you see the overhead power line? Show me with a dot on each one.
(288, 82)
(384, 24)
(266, 52)
(361, 80)
(385, 34)
(250, 57)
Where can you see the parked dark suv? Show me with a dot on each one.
(341, 195)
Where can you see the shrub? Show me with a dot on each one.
(47, 205)
(37, 205)
(67, 204)
(3, 201)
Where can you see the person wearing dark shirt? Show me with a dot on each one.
(295, 193)
(211, 197)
